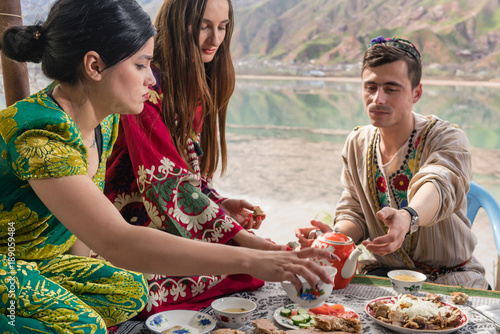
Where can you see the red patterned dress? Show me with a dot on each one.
(149, 182)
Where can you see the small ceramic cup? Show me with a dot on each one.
(233, 312)
(309, 296)
(406, 281)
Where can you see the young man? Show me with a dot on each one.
(406, 177)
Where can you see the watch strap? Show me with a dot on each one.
(414, 219)
(412, 212)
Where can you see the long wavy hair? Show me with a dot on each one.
(187, 82)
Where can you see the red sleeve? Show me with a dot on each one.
(149, 183)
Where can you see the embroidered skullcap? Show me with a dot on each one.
(399, 43)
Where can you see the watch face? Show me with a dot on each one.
(414, 224)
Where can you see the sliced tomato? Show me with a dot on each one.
(349, 315)
(323, 309)
(336, 309)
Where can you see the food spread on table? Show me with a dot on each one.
(299, 317)
(459, 298)
(227, 331)
(334, 323)
(410, 312)
(405, 311)
(264, 326)
(327, 317)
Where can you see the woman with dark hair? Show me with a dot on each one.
(159, 174)
(54, 145)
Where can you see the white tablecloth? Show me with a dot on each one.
(271, 297)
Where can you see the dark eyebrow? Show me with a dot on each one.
(393, 83)
(388, 83)
(208, 21)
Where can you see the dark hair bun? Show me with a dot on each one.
(115, 29)
(23, 44)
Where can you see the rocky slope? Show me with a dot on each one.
(454, 35)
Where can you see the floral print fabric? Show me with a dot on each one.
(395, 186)
(151, 185)
(68, 294)
(54, 292)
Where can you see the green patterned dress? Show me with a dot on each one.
(43, 289)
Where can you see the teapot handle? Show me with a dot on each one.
(314, 234)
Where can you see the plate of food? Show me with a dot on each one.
(295, 317)
(180, 322)
(410, 314)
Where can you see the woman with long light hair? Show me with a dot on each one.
(160, 171)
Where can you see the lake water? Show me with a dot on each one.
(320, 110)
(323, 110)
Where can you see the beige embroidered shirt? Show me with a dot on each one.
(445, 161)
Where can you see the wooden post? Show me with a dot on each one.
(497, 283)
(15, 75)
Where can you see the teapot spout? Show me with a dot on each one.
(350, 264)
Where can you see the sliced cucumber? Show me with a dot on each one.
(302, 311)
(286, 312)
(297, 319)
(305, 325)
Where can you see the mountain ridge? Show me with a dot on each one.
(458, 38)
(455, 37)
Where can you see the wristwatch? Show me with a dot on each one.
(415, 221)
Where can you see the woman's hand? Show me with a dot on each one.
(250, 240)
(302, 234)
(286, 266)
(241, 211)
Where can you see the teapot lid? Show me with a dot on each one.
(337, 237)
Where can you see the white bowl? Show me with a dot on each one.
(310, 297)
(403, 283)
(233, 312)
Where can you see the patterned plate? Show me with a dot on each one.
(287, 322)
(390, 300)
(181, 322)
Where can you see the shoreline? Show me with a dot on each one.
(434, 82)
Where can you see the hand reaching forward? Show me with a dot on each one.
(398, 222)
(285, 266)
(250, 240)
(303, 233)
(240, 210)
